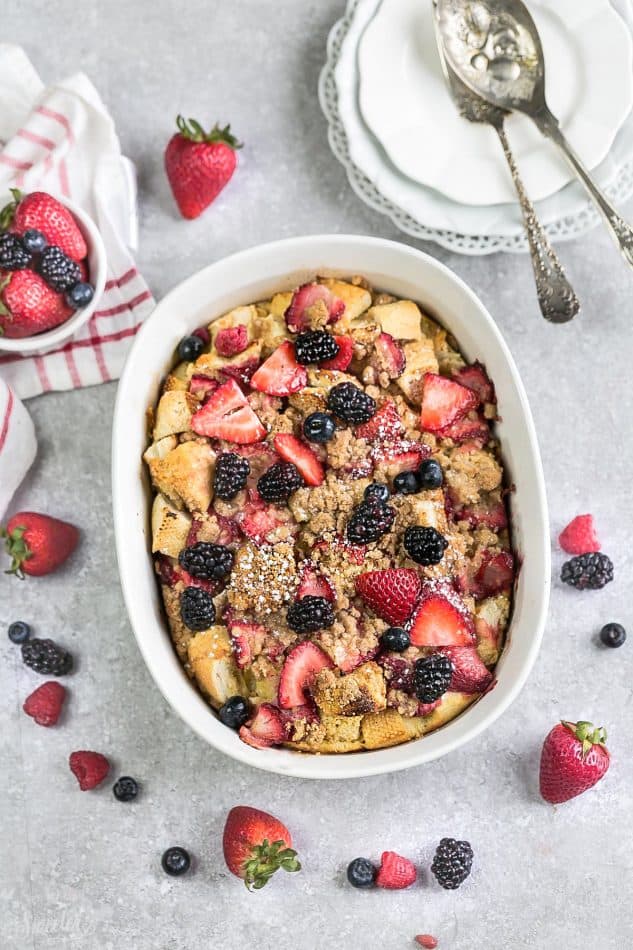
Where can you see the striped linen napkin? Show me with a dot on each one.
(61, 139)
(17, 444)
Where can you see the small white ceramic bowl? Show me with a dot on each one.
(254, 275)
(97, 264)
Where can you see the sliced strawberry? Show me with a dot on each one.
(495, 574)
(470, 675)
(305, 297)
(240, 369)
(351, 659)
(302, 665)
(476, 378)
(391, 594)
(389, 356)
(444, 402)
(579, 537)
(231, 340)
(314, 584)
(441, 618)
(488, 513)
(395, 872)
(476, 431)
(202, 387)
(307, 713)
(280, 374)
(227, 415)
(259, 521)
(384, 426)
(44, 705)
(265, 729)
(247, 640)
(229, 530)
(401, 455)
(344, 356)
(301, 455)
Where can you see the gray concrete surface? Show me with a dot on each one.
(80, 871)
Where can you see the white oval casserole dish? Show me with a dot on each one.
(256, 274)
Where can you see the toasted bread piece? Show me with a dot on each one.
(356, 299)
(308, 400)
(210, 364)
(361, 691)
(280, 303)
(180, 634)
(452, 705)
(339, 734)
(271, 330)
(173, 413)
(170, 527)
(425, 510)
(173, 383)
(185, 475)
(491, 619)
(420, 359)
(213, 666)
(158, 450)
(401, 319)
(388, 728)
(325, 379)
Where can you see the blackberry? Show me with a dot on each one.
(197, 609)
(279, 482)
(452, 863)
(361, 873)
(587, 571)
(377, 492)
(613, 635)
(231, 472)
(175, 861)
(432, 677)
(34, 241)
(315, 346)
(406, 483)
(46, 657)
(351, 404)
(209, 562)
(430, 474)
(310, 614)
(125, 789)
(59, 270)
(319, 427)
(395, 639)
(234, 713)
(369, 521)
(190, 348)
(425, 545)
(13, 254)
(19, 631)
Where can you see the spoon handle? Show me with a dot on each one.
(556, 297)
(621, 231)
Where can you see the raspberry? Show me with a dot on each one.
(351, 404)
(579, 536)
(315, 346)
(89, 768)
(197, 609)
(279, 482)
(209, 562)
(310, 614)
(452, 863)
(432, 677)
(425, 545)
(231, 472)
(588, 571)
(58, 270)
(45, 703)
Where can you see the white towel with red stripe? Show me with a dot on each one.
(17, 444)
(61, 139)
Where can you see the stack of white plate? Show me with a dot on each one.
(410, 155)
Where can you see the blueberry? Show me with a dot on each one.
(395, 639)
(361, 873)
(190, 348)
(430, 474)
(234, 713)
(80, 295)
(406, 483)
(125, 789)
(34, 241)
(613, 635)
(19, 631)
(377, 492)
(176, 861)
(319, 427)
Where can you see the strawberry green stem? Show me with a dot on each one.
(193, 132)
(587, 733)
(8, 212)
(266, 860)
(17, 549)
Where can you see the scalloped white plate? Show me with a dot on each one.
(405, 103)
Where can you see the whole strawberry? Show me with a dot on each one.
(28, 305)
(38, 544)
(573, 759)
(256, 845)
(199, 164)
(39, 211)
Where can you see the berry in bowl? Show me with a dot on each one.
(52, 271)
(330, 530)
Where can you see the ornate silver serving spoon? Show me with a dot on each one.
(556, 297)
(494, 47)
